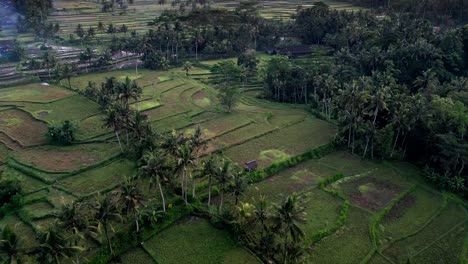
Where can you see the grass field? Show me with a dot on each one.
(195, 241)
(34, 93)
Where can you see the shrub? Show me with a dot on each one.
(10, 196)
(61, 134)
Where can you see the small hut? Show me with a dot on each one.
(251, 165)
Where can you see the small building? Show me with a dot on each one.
(251, 165)
(293, 51)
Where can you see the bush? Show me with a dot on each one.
(10, 196)
(61, 134)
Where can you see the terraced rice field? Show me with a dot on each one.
(194, 240)
(424, 225)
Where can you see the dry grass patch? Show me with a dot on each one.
(21, 127)
(68, 158)
(35, 92)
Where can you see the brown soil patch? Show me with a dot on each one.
(61, 159)
(400, 208)
(58, 159)
(43, 113)
(23, 128)
(199, 98)
(370, 193)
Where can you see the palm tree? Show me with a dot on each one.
(71, 218)
(208, 170)
(131, 198)
(55, 246)
(261, 213)
(86, 57)
(67, 72)
(287, 219)
(142, 134)
(114, 121)
(9, 245)
(197, 39)
(378, 102)
(135, 92)
(187, 67)
(238, 185)
(105, 210)
(185, 160)
(198, 145)
(125, 91)
(428, 81)
(172, 142)
(154, 167)
(100, 26)
(49, 60)
(223, 174)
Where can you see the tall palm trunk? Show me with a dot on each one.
(118, 139)
(193, 188)
(367, 145)
(186, 189)
(222, 200)
(395, 143)
(209, 190)
(136, 222)
(162, 195)
(182, 188)
(109, 244)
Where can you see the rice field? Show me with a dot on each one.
(425, 226)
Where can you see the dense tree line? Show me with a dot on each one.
(206, 31)
(396, 85)
(34, 16)
(450, 11)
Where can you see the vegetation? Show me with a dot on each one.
(340, 144)
(61, 134)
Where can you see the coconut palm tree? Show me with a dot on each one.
(114, 121)
(135, 92)
(223, 175)
(287, 219)
(208, 169)
(185, 160)
(54, 246)
(131, 197)
(128, 89)
(172, 141)
(378, 102)
(197, 39)
(66, 72)
(238, 185)
(105, 210)
(187, 67)
(72, 219)
(49, 61)
(155, 168)
(198, 145)
(86, 57)
(9, 245)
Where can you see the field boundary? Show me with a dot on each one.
(377, 218)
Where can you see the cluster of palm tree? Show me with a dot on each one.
(80, 223)
(394, 85)
(177, 35)
(115, 98)
(272, 231)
